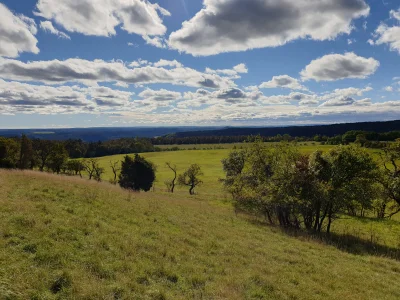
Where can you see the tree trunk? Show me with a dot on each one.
(191, 190)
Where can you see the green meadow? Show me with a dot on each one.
(70, 238)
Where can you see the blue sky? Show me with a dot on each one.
(214, 62)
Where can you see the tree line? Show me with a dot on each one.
(311, 191)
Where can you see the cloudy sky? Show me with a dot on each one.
(87, 63)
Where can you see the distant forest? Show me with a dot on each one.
(11, 149)
(297, 131)
(174, 135)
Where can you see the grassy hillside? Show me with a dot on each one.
(209, 160)
(68, 238)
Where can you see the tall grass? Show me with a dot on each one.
(70, 238)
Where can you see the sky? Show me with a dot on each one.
(122, 63)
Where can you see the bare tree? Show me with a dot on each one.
(171, 183)
(191, 178)
(93, 169)
(115, 167)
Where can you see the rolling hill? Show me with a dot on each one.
(69, 238)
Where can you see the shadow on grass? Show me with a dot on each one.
(344, 242)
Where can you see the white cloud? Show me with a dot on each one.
(160, 95)
(168, 63)
(17, 33)
(342, 101)
(101, 17)
(388, 35)
(16, 93)
(98, 71)
(350, 41)
(156, 41)
(104, 96)
(47, 26)
(395, 14)
(239, 25)
(241, 68)
(122, 84)
(388, 89)
(337, 66)
(283, 81)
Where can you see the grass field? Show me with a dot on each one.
(384, 233)
(209, 160)
(70, 238)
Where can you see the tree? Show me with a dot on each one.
(42, 151)
(137, 174)
(361, 140)
(75, 167)
(348, 173)
(115, 167)
(57, 158)
(171, 183)
(191, 178)
(25, 154)
(93, 168)
(9, 153)
(390, 175)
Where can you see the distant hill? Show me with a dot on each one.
(98, 134)
(307, 131)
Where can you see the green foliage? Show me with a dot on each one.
(137, 174)
(26, 154)
(284, 185)
(57, 158)
(9, 153)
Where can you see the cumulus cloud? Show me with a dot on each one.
(233, 73)
(239, 25)
(104, 96)
(97, 71)
(100, 18)
(388, 35)
(341, 101)
(167, 63)
(16, 93)
(283, 81)
(17, 33)
(241, 68)
(156, 41)
(160, 95)
(47, 26)
(337, 66)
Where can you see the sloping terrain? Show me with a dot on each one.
(69, 238)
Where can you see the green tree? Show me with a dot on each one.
(191, 178)
(57, 158)
(42, 150)
(25, 154)
(9, 153)
(347, 172)
(137, 174)
(390, 175)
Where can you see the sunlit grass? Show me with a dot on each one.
(70, 238)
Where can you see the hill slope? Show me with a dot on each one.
(67, 238)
